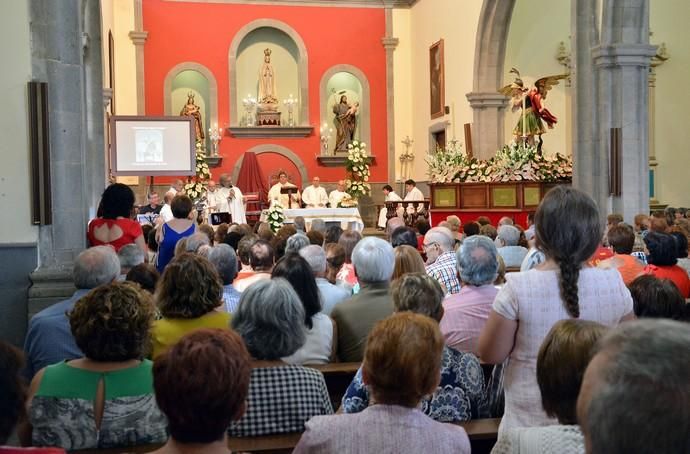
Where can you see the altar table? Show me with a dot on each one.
(348, 217)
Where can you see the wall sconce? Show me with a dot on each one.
(326, 133)
(290, 103)
(216, 135)
(249, 104)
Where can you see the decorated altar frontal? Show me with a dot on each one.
(512, 183)
(468, 201)
(348, 217)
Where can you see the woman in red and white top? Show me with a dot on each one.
(114, 225)
(662, 261)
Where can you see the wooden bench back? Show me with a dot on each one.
(481, 432)
(338, 377)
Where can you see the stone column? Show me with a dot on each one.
(66, 53)
(622, 71)
(488, 127)
(390, 43)
(622, 63)
(138, 37)
(590, 165)
(658, 60)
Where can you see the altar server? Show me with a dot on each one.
(413, 194)
(390, 196)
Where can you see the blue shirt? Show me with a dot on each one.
(166, 248)
(49, 338)
(330, 295)
(512, 255)
(231, 298)
(460, 395)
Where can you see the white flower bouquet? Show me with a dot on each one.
(196, 185)
(275, 217)
(357, 165)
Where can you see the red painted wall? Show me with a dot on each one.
(203, 32)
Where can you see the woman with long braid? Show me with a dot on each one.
(567, 230)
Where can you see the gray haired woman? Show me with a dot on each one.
(270, 319)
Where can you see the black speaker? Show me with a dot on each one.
(39, 137)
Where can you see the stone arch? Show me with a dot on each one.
(278, 149)
(212, 88)
(365, 116)
(489, 58)
(302, 66)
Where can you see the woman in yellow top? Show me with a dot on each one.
(189, 297)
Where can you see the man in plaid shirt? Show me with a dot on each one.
(441, 261)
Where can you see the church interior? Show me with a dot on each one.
(480, 106)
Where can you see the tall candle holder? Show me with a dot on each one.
(290, 103)
(406, 158)
(249, 104)
(216, 135)
(326, 133)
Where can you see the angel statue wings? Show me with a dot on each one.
(531, 102)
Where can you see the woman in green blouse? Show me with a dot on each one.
(104, 399)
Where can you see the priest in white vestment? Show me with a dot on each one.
(231, 200)
(274, 195)
(337, 194)
(315, 196)
(390, 196)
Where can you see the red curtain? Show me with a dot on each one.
(251, 179)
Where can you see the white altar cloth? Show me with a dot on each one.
(348, 217)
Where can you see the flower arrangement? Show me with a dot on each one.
(357, 166)
(196, 185)
(514, 162)
(347, 202)
(275, 217)
(446, 163)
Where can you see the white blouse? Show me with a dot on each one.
(533, 299)
(317, 348)
(541, 440)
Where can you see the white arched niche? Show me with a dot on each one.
(350, 81)
(195, 78)
(289, 60)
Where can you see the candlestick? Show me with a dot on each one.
(216, 135)
(290, 103)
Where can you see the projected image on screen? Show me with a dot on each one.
(149, 143)
(152, 146)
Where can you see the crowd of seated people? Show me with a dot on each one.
(219, 343)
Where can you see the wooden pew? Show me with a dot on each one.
(127, 450)
(481, 432)
(338, 377)
(280, 443)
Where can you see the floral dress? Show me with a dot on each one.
(460, 395)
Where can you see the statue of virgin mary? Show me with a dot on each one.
(267, 81)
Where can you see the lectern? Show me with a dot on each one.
(289, 191)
